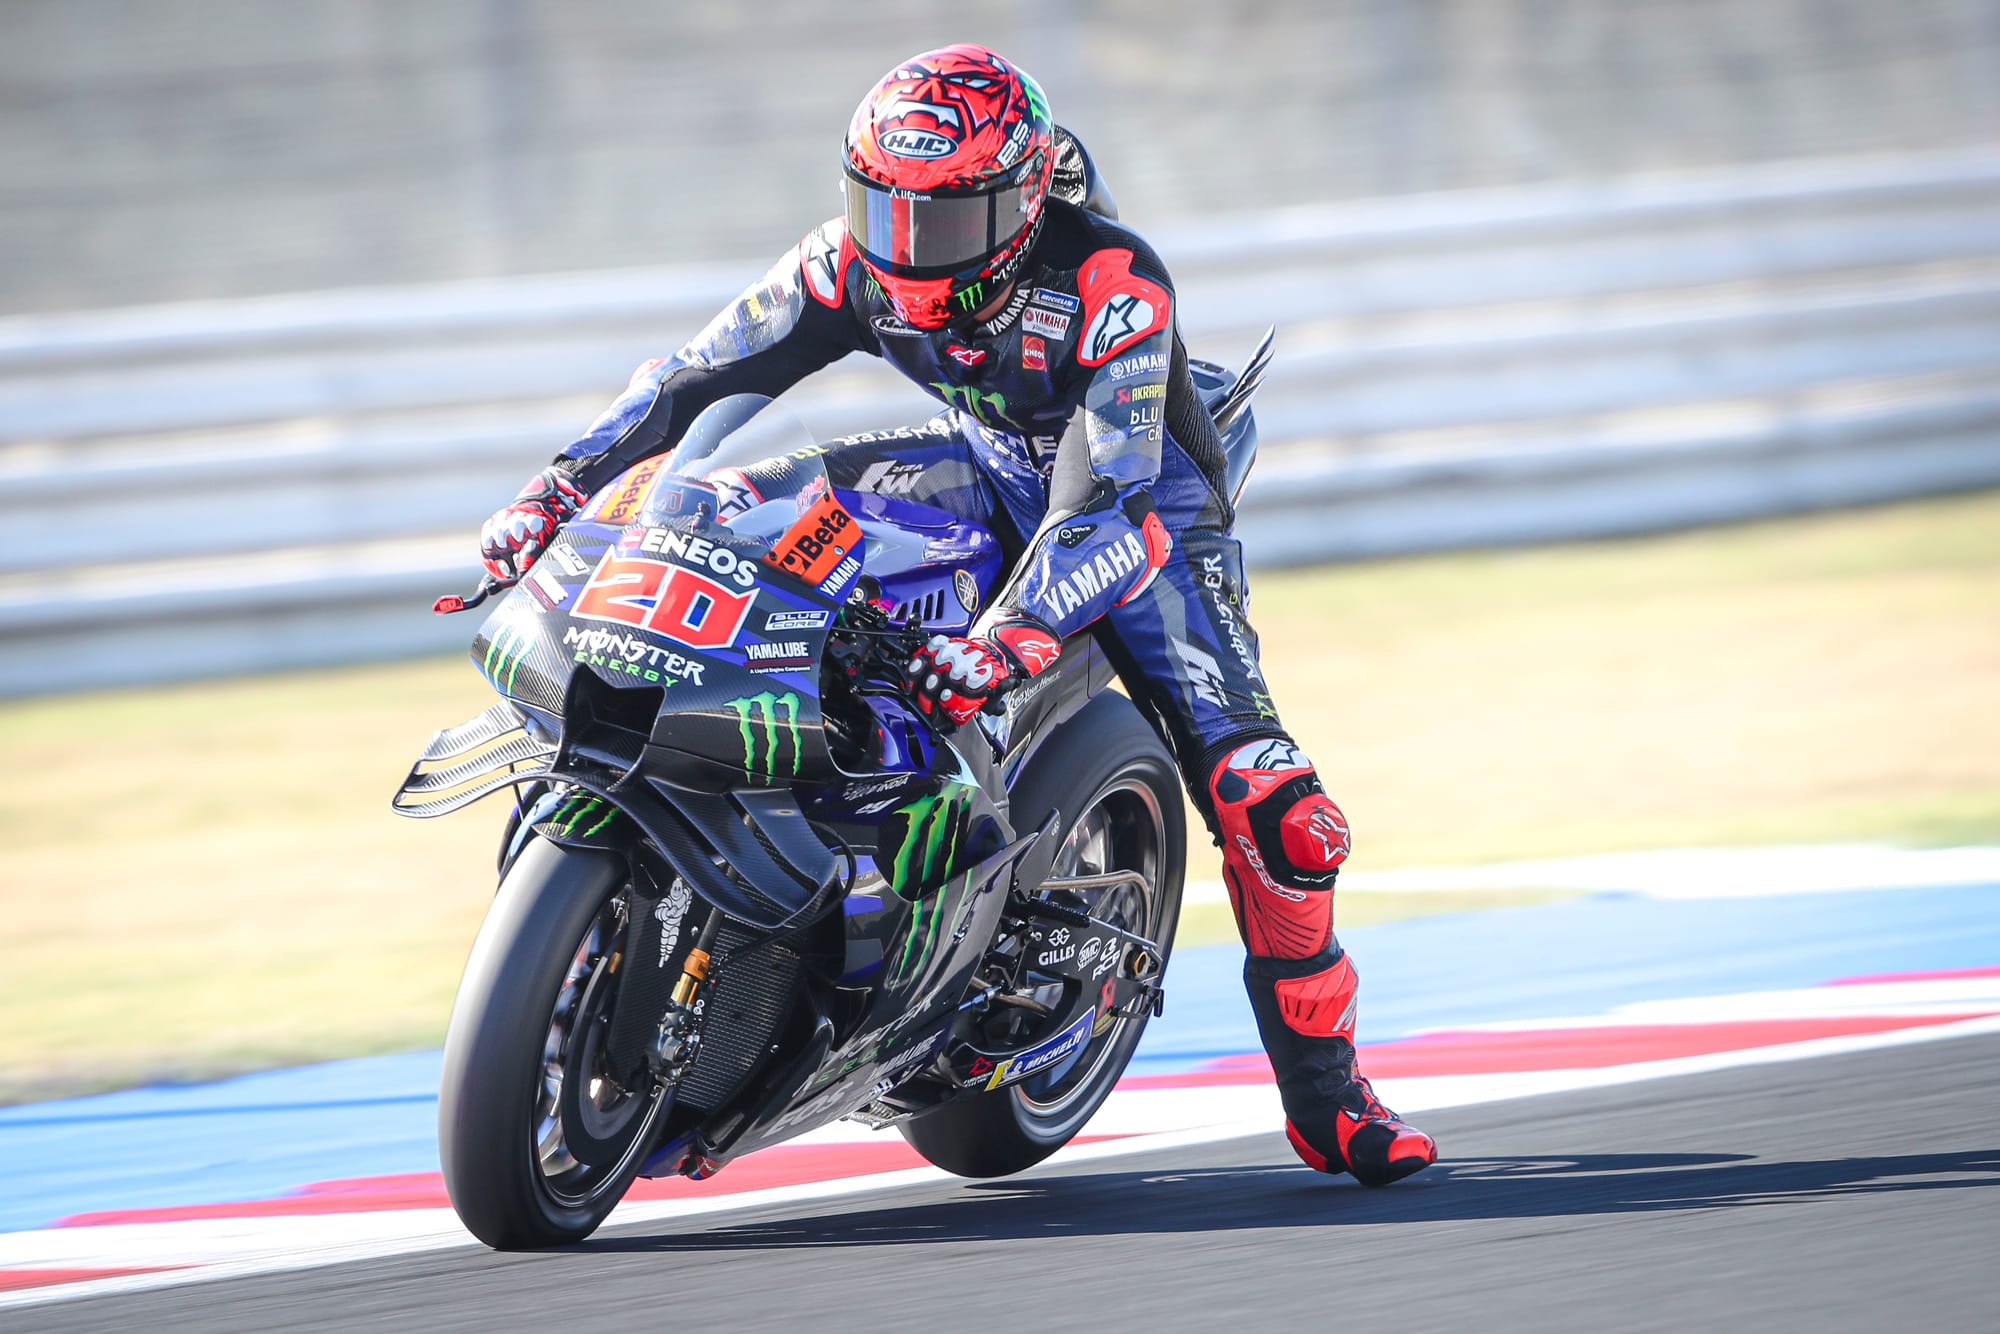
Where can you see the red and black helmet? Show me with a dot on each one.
(948, 166)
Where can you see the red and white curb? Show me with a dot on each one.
(371, 1218)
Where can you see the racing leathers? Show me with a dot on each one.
(1071, 427)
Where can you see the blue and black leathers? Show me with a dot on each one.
(1070, 425)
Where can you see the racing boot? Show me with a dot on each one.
(1283, 841)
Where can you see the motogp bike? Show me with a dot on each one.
(746, 888)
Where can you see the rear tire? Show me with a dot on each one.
(527, 1012)
(1108, 773)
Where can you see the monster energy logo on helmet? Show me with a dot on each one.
(770, 726)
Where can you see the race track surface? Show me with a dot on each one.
(1853, 1192)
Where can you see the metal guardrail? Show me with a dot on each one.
(284, 481)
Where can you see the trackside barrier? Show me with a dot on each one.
(288, 481)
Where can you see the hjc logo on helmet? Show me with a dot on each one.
(948, 162)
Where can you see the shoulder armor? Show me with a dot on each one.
(1120, 308)
(824, 258)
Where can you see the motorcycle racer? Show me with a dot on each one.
(980, 256)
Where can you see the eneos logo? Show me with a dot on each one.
(669, 600)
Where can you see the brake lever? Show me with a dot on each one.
(452, 602)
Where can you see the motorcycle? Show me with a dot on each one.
(747, 888)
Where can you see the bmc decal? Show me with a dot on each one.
(1120, 309)
(669, 600)
(1035, 320)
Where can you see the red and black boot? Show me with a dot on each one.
(1283, 841)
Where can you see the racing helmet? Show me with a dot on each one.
(948, 161)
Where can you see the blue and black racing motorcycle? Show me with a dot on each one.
(747, 889)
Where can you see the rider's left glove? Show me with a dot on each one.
(515, 537)
(954, 678)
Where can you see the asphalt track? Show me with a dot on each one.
(1849, 1192)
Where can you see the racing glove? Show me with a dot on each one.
(953, 678)
(515, 537)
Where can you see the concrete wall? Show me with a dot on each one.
(153, 151)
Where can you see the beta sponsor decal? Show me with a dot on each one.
(630, 654)
(669, 600)
(813, 547)
(1035, 320)
(796, 620)
(624, 499)
(1034, 354)
(1103, 573)
(1146, 363)
(1062, 301)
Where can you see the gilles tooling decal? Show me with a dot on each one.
(770, 726)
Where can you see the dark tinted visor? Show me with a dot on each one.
(932, 236)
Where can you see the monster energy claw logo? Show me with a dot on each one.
(767, 722)
(504, 654)
(931, 829)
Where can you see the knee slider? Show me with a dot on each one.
(1283, 840)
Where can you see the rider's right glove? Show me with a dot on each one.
(956, 678)
(515, 537)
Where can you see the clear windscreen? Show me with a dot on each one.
(749, 475)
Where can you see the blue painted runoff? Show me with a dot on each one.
(264, 1135)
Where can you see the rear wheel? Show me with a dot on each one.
(538, 1140)
(1108, 768)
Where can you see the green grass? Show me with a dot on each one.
(207, 878)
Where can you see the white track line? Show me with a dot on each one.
(278, 1245)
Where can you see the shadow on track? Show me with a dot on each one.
(1225, 1199)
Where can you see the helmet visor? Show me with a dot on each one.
(923, 236)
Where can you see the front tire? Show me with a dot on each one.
(1115, 783)
(525, 1023)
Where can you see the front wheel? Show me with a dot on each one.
(538, 1140)
(1119, 794)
